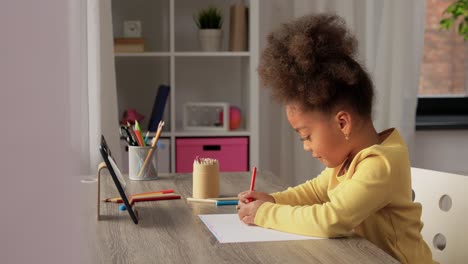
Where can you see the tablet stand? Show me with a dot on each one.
(101, 166)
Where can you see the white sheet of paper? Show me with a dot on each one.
(227, 228)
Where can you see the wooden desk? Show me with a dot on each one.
(171, 232)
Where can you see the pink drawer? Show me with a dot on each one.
(232, 153)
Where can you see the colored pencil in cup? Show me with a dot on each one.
(153, 146)
(137, 130)
(146, 138)
(132, 133)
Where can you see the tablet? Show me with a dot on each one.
(116, 176)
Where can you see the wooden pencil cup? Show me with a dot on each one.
(205, 179)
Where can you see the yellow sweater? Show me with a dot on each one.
(373, 199)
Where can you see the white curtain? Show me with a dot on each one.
(100, 103)
(390, 37)
(41, 85)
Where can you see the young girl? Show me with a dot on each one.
(311, 68)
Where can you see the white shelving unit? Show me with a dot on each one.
(172, 56)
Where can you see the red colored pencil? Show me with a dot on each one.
(139, 138)
(153, 198)
(136, 195)
(160, 191)
(252, 181)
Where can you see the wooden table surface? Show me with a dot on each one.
(171, 231)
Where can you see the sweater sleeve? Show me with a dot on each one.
(311, 192)
(352, 201)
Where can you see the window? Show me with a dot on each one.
(443, 86)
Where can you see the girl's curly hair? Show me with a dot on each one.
(310, 61)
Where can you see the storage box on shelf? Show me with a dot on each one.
(230, 152)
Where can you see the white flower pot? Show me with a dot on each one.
(210, 39)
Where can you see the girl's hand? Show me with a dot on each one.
(248, 211)
(253, 195)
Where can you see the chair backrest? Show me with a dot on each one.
(444, 213)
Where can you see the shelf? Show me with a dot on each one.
(212, 54)
(143, 54)
(154, 17)
(234, 133)
(185, 54)
(181, 133)
(173, 56)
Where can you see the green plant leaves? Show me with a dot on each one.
(446, 23)
(457, 11)
(209, 18)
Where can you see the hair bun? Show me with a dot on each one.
(311, 61)
(319, 38)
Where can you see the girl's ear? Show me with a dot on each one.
(344, 122)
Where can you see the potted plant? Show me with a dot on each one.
(209, 22)
(457, 11)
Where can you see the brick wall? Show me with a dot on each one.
(445, 55)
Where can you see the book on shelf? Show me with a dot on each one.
(238, 28)
(158, 107)
(129, 45)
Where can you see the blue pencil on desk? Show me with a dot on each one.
(217, 201)
(227, 202)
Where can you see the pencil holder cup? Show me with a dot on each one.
(136, 158)
(205, 178)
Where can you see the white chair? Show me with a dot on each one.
(444, 213)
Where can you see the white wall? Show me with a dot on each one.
(442, 150)
(270, 112)
(37, 159)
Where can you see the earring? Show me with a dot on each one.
(346, 136)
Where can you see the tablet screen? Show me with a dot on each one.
(116, 176)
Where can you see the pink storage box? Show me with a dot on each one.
(232, 153)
